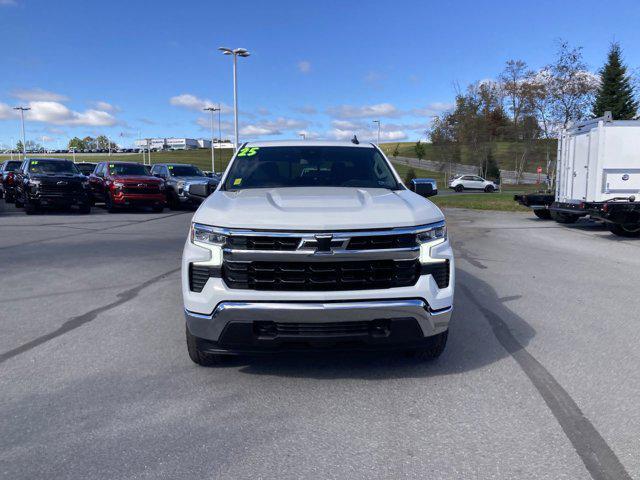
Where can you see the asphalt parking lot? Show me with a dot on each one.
(539, 380)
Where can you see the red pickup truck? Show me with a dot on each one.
(126, 184)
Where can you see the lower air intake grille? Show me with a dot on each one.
(439, 271)
(198, 276)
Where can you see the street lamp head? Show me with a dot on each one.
(240, 51)
(226, 51)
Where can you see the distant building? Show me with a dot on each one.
(180, 143)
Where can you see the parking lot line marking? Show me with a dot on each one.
(87, 317)
(599, 459)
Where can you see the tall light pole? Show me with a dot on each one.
(303, 136)
(148, 149)
(24, 145)
(378, 122)
(236, 52)
(213, 154)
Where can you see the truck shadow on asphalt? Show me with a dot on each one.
(472, 344)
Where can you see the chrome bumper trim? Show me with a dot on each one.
(211, 326)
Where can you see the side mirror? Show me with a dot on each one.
(159, 175)
(425, 187)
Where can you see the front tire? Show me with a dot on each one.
(157, 208)
(108, 203)
(199, 357)
(30, 208)
(85, 208)
(489, 189)
(436, 346)
(544, 214)
(459, 188)
(18, 203)
(8, 198)
(565, 218)
(624, 229)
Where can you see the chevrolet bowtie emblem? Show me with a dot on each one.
(324, 243)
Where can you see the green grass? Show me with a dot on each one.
(505, 153)
(480, 201)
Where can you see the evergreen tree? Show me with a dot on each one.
(615, 93)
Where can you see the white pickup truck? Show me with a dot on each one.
(316, 245)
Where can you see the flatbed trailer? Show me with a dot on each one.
(621, 215)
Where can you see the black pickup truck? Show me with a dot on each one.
(50, 182)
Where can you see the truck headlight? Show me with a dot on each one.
(206, 237)
(429, 239)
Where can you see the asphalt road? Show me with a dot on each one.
(539, 380)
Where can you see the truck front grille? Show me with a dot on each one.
(320, 276)
(263, 243)
(53, 189)
(134, 189)
(378, 242)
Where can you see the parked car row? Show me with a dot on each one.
(38, 183)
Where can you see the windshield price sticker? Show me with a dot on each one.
(248, 151)
(237, 181)
(170, 167)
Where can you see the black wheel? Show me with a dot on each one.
(108, 203)
(157, 208)
(565, 218)
(173, 202)
(85, 208)
(459, 188)
(198, 356)
(436, 346)
(489, 189)
(9, 198)
(18, 203)
(624, 229)
(542, 213)
(1, 193)
(30, 208)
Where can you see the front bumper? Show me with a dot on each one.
(139, 199)
(268, 326)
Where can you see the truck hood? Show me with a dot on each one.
(316, 209)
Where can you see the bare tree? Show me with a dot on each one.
(572, 86)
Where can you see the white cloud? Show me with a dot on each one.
(307, 109)
(393, 135)
(191, 102)
(58, 114)
(373, 77)
(304, 66)
(373, 111)
(105, 106)
(6, 111)
(432, 109)
(37, 95)
(272, 127)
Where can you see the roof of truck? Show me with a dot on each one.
(307, 143)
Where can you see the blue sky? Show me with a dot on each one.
(326, 68)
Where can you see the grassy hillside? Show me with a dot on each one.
(505, 153)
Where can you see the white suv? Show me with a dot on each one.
(472, 182)
(315, 245)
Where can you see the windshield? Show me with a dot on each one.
(12, 166)
(86, 168)
(127, 169)
(313, 166)
(52, 166)
(185, 171)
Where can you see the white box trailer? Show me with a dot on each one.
(598, 161)
(597, 174)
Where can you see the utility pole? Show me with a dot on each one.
(24, 143)
(378, 122)
(148, 150)
(236, 52)
(213, 154)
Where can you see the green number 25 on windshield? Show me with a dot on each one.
(248, 151)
